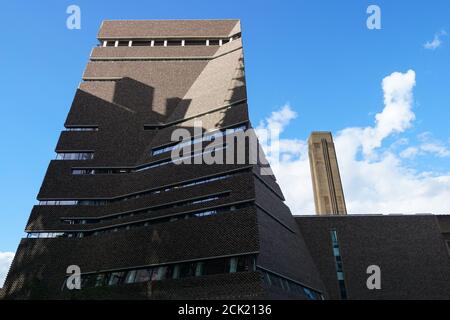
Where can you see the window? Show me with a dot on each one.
(159, 43)
(82, 128)
(74, 156)
(288, 285)
(195, 42)
(143, 275)
(338, 263)
(216, 267)
(187, 270)
(123, 43)
(159, 273)
(245, 264)
(141, 43)
(131, 276)
(116, 278)
(172, 271)
(173, 42)
(101, 280)
(214, 42)
(209, 136)
(110, 43)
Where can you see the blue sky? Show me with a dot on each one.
(317, 57)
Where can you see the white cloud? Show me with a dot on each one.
(428, 146)
(436, 148)
(374, 180)
(409, 152)
(5, 261)
(436, 42)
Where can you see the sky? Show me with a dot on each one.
(310, 66)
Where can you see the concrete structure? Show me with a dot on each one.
(328, 192)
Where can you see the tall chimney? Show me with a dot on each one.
(328, 192)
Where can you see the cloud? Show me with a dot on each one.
(428, 146)
(409, 152)
(436, 42)
(375, 179)
(5, 261)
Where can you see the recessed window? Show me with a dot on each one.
(123, 43)
(110, 43)
(143, 275)
(214, 42)
(141, 43)
(131, 276)
(82, 128)
(74, 156)
(158, 43)
(115, 278)
(173, 42)
(195, 42)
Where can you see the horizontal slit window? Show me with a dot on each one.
(173, 42)
(195, 42)
(141, 43)
(74, 156)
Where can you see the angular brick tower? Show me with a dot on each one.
(136, 224)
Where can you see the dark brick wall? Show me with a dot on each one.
(241, 188)
(125, 98)
(285, 252)
(410, 251)
(45, 260)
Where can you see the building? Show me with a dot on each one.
(412, 252)
(137, 225)
(140, 226)
(326, 179)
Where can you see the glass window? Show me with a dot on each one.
(140, 43)
(187, 270)
(216, 266)
(131, 276)
(199, 269)
(116, 278)
(311, 295)
(143, 275)
(159, 273)
(195, 42)
(173, 42)
(176, 272)
(233, 265)
(244, 264)
(101, 279)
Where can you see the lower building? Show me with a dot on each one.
(411, 251)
